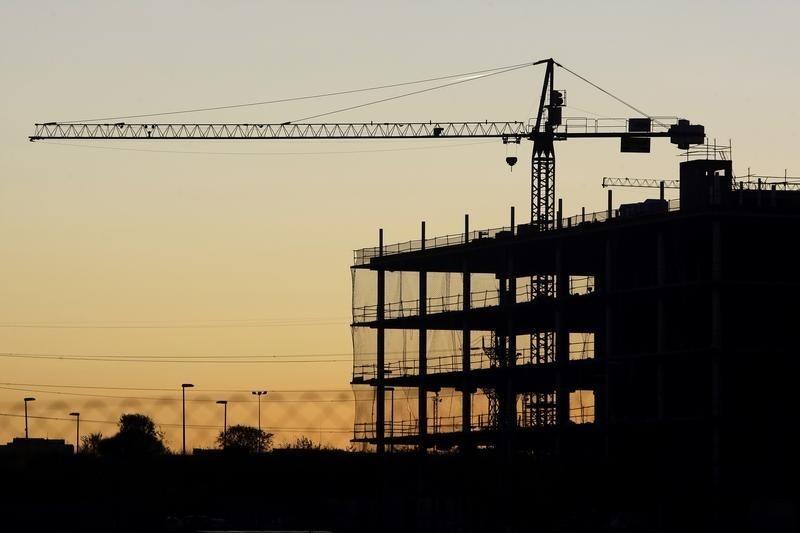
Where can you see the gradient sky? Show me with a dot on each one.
(246, 251)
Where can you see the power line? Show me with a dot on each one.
(445, 352)
(172, 361)
(177, 389)
(194, 426)
(297, 98)
(177, 399)
(27, 387)
(219, 357)
(198, 321)
(156, 326)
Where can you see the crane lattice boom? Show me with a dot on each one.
(572, 127)
(640, 182)
(359, 130)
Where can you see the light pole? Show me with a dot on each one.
(77, 416)
(184, 386)
(259, 393)
(224, 404)
(26, 400)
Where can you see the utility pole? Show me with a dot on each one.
(26, 400)
(259, 394)
(184, 386)
(77, 416)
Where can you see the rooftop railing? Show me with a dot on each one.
(364, 255)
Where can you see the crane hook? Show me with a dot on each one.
(511, 151)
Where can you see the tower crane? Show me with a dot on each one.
(634, 134)
(549, 126)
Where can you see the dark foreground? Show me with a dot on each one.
(350, 492)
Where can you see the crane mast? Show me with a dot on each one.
(539, 407)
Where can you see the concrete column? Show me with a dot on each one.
(422, 405)
(380, 399)
(562, 339)
(510, 397)
(608, 290)
(466, 363)
(716, 277)
(604, 413)
(716, 350)
(661, 322)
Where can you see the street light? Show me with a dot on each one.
(77, 416)
(259, 393)
(224, 404)
(26, 400)
(184, 386)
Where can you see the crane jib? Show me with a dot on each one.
(369, 130)
(507, 130)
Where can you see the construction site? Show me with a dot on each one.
(654, 338)
(644, 351)
(652, 325)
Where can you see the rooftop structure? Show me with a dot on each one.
(35, 447)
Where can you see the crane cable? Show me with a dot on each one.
(396, 97)
(618, 99)
(478, 73)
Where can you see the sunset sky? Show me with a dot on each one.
(168, 251)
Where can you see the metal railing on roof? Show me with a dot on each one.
(364, 255)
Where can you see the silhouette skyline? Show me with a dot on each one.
(133, 266)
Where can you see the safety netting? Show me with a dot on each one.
(444, 354)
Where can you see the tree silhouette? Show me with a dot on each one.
(304, 443)
(244, 439)
(137, 436)
(90, 444)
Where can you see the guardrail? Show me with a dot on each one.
(577, 285)
(364, 255)
(583, 414)
(479, 360)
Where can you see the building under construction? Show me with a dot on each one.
(666, 332)
(653, 339)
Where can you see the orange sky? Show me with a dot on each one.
(245, 251)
